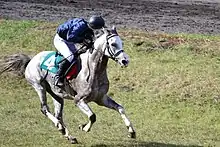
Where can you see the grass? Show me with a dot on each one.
(170, 92)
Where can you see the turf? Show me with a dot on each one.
(170, 92)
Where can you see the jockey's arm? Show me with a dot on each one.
(86, 41)
(85, 45)
(88, 38)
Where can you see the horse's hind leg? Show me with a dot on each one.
(58, 109)
(41, 91)
(109, 103)
(40, 88)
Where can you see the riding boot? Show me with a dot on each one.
(59, 77)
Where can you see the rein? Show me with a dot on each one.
(103, 53)
(112, 55)
(107, 47)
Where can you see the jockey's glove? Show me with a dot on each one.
(88, 43)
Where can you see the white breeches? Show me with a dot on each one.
(65, 48)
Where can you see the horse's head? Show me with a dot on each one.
(112, 46)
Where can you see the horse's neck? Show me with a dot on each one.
(95, 63)
(98, 56)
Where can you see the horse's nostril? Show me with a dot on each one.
(125, 62)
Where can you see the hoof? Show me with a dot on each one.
(81, 127)
(132, 135)
(72, 140)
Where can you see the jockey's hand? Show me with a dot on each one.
(85, 46)
(80, 51)
(88, 44)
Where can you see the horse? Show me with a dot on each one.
(90, 84)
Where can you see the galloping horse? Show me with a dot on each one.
(90, 84)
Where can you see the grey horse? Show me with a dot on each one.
(90, 84)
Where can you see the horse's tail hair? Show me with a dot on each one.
(15, 64)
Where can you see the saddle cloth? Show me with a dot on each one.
(51, 64)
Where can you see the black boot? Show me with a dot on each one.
(59, 77)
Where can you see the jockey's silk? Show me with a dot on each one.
(51, 64)
(67, 49)
(73, 30)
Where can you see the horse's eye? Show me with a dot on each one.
(114, 44)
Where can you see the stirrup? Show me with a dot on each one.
(58, 81)
(59, 84)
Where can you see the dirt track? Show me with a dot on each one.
(173, 16)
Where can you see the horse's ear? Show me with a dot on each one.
(114, 31)
(98, 33)
(91, 50)
(113, 27)
(105, 31)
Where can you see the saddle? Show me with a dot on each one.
(51, 64)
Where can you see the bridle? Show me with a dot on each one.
(108, 48)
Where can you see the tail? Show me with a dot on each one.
(15, 64)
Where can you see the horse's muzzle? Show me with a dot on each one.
(125, 62)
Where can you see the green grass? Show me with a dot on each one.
(170, 92)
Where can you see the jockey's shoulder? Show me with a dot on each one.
(76, 20)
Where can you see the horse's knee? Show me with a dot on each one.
(92, 118)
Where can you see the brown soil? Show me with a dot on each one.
(170, 16)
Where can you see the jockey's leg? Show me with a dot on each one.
(67, 49)
(86, 110)
(59, 77)
(110, 103)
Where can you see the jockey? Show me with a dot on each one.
(73, 31)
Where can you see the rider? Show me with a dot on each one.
(73, 31)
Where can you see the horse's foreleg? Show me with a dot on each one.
(86, 110)
(109, 103)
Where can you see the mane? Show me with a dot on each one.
(99, 33)
(98, 36)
